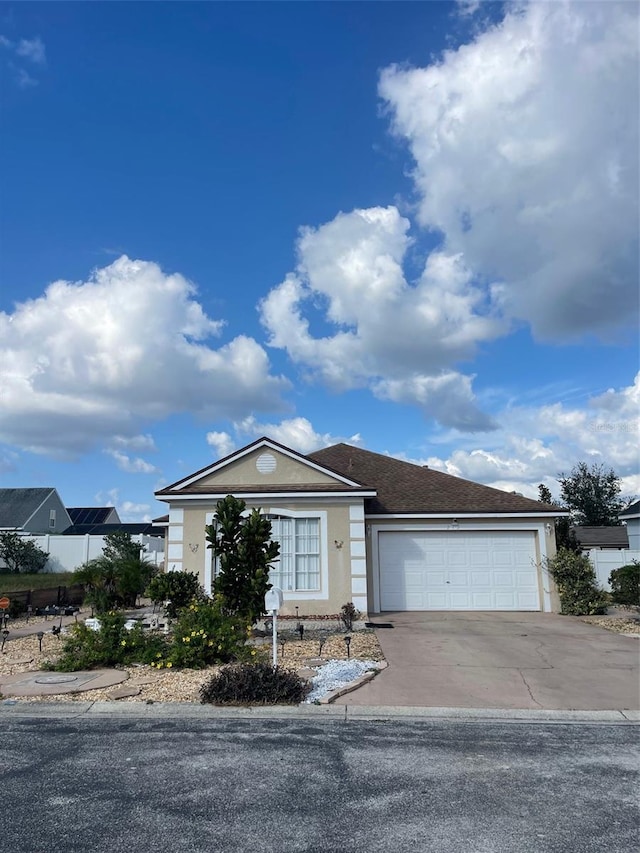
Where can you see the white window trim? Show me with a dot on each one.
(208, 557)
(309, 595)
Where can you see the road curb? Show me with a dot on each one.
(10, 708)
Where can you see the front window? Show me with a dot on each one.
(298, 566)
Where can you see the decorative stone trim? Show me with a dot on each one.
(353, 685)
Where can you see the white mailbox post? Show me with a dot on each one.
(272, 603)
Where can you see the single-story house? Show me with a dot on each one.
(364, 527)
(630, 517)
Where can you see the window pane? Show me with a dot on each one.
(298, 566)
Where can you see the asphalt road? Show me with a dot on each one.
(135, 784)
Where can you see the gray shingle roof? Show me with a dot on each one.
(18, 505)
(404, 487)
(633, 509)
(594, 536)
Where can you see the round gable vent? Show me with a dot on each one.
(266, 463)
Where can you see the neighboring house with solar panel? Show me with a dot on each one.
(84, 518)
(71, 536)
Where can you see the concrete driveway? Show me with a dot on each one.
(502, 660)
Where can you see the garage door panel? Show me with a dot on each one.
(481, 601)
(528, 601)
(460, 600)
(474, 571)
(479, 558)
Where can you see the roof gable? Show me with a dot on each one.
(407, 488)
(17, 506)
(264, 466)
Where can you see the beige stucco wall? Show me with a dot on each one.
(342, 537)
(545, 544)
(243, 472)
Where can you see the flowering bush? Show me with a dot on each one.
(204, 635)
(111, 645)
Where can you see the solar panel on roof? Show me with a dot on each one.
(89, 514)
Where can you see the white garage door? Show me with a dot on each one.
(458, 571)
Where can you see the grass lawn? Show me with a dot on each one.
(42, 580)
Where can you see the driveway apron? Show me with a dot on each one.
(502, 660)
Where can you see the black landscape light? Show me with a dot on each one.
(29, 612)
(282, 642)
(347, 642)
(321, 643)
(40, 635)
(5, 634)
(300, 630)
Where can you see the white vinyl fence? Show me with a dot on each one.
(67, 553)
(606, 560)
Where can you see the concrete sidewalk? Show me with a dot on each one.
(502, 661)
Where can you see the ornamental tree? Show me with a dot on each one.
(592, 494)
(242, 545)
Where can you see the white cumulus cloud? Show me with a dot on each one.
(90, 360)
(222, 443)
(525, 144)
(131, 465)
(135, 442)
(400, 339)
(535, 444)
(297, 433)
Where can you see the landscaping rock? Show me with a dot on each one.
(307, 673)
(124, 692)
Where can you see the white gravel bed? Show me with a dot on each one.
(335, 674)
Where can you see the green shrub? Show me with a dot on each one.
(575, 578)
(118, 577)
(179, 588)
(205, 635)
(111, 645)
(254, 684)
(625, 584)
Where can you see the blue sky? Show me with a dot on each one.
(412, 226)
